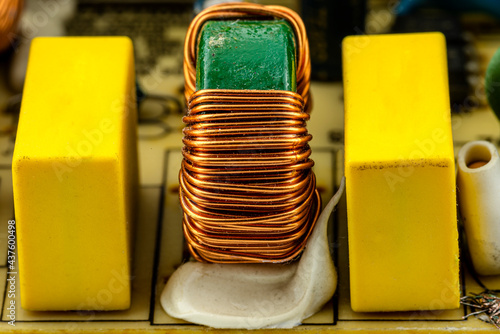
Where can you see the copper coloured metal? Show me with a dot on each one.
(247, 188)
(246, 185)
(10, 12)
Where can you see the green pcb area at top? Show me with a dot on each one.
(241, 54)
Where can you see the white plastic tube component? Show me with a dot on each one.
(479, 199)
(255, 296)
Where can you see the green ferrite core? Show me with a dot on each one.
(241, 54)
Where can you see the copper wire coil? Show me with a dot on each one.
(222, 199)
(256, 123)
(243, 130)
(283, 226)
(278, 100)
(262, 178)
(248, 143)
(250, 238)
(240, 97)
(247, 191)
(214, 220)
(249, 10)
(266, 173)
(265, 159)
(278, 220)
(281, 187)
(237, 254)
(246, 185)
(10, 11)
(227, 117)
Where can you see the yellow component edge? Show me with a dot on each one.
(75, 174)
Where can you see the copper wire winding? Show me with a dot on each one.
(246, 185)
(10, 11)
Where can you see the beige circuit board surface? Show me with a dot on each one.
(159, 244)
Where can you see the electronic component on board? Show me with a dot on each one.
(246, 185)
(75, 174)
(400, 174)
(478, 184)
(247, 188)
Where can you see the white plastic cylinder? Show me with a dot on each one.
(479, 200)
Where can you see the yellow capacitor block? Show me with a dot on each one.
(75, 174)
(400, 173)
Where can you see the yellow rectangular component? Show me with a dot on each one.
(75, 174)
(400, 174)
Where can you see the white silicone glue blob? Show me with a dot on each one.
(256, 295)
